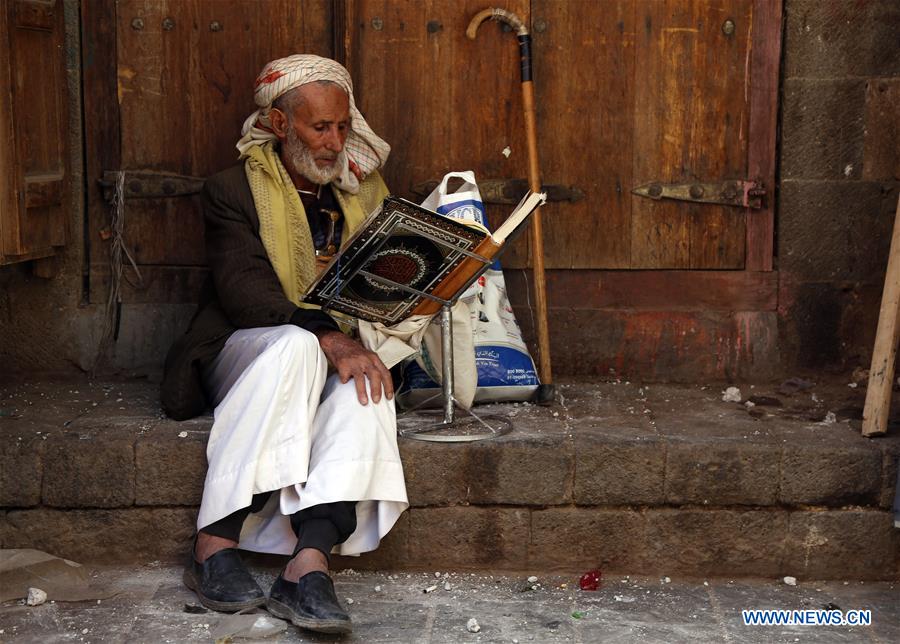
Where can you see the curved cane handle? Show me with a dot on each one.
(496, 14)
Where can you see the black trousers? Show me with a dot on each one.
(321, 527)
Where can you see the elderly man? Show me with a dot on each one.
(300, 462)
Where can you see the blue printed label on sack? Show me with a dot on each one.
(469, 210)
(497, 367)
(504, 366)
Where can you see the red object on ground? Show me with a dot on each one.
(590, 580)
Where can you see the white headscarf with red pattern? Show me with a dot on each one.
(365, 150)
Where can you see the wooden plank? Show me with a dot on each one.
(669, 346)
(690, 124)
(39, 118)
(34, 15)
(665, 290)
(884, 354)
(765, 65)
(26, 257)
(43, 190)
(585, 121)
(881, 149)
(10, 172)
(720, 120)
(448, 103)
(101, 123)
(184, 93)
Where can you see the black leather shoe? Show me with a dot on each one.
(222, 582)
(310, 603)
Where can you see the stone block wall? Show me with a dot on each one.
(840, 172)
(662, 482)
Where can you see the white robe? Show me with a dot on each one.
(282, 424)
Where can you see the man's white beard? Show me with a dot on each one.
(298, 155)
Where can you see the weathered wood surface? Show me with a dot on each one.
(584, 81)
(764, 75)
(652, 290)
(101, 128)
(442, 101)
(34, 120)
(884, 354)
(627, 91)
(183, 80)
(690, 122)
(8, 203)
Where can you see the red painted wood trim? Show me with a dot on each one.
(657, 290)
(765, 60)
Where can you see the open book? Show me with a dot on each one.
(403, 252)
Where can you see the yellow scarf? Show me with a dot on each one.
(283, 225)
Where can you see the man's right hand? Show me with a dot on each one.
(352, 360)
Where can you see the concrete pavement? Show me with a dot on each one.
(151, 606)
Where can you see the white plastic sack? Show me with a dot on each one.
(505, 368)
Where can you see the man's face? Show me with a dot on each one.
(316, 130)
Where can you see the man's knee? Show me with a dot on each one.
(346, 396)
(293, 343)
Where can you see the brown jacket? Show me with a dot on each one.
(242, 291)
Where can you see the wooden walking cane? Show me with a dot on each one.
(884, 355)
(534, 183)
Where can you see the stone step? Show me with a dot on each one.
(657, 479)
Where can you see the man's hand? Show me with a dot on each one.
(352, 360)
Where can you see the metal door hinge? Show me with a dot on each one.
(149, 184)
(741, 193)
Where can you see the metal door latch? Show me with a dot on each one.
(149, 184)
(741, 193)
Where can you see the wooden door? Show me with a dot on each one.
(628, 92)
(441, 100)
(33, 119)
(168, 84)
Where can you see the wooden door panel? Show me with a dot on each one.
(34, 107)
(442, 101)
(584, 66)
(628, 91)
(691, 119)
(185, 71)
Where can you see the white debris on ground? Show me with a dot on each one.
(182, 434)
(506, 152)
(36, 597)
(830, 419)
(532, 579)
(790, 581)
(732, 394)
(472, 625)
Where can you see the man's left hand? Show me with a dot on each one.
(352, 360)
